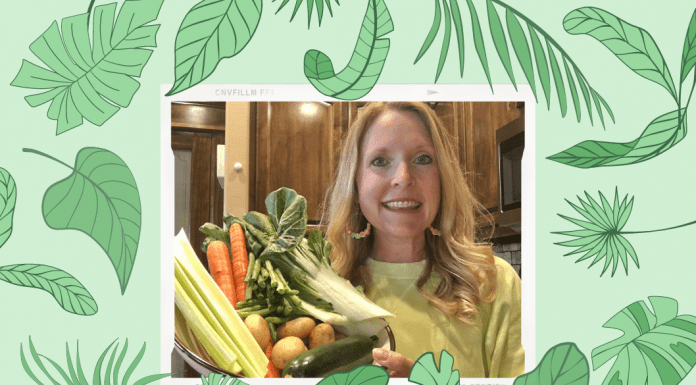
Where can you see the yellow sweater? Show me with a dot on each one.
(419, 328)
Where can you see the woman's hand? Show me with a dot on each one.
(395, 364)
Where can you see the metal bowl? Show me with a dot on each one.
(203, 367)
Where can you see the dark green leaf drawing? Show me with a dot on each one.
(76, 376)
(219, 379)
(661, 134)
(362, 375)
(563, 364)
(211, 31)
(310, 7)
(602, 235)
(8, 199)
(366, 62)
(91, 81)
(426, 372)
(657, 347)
(528, 59)
(689, 53)
(632, 45)
(68, 291)
(101, 199)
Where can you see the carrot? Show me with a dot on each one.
(272, 370)
(240, 259)
(220, 267)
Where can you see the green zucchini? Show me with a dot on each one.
(339, 356)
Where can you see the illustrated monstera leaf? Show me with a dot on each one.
(219, 379)
(68, 291)
(563, 364)
(91, 82)
(8, 199)
(99, 198)
(656, 348)
(362, 375)
(365, 64)
(426, 372)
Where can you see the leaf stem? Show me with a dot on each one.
(47, 156)
(653, 231)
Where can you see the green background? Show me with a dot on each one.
(572, 302)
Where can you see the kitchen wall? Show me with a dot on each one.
(512, 253)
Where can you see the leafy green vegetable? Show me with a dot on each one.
(366, 62)
(632, 45)
(68, 291)
(77, 376)
(8, 199)
(563, 364)
(214, 233)
(661, 134)
(101, 199)
(82, 80)
(426, 372)
(656, 348)
(362, 375)
(211, 31)
(689, 52)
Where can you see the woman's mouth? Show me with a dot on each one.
(406, 204)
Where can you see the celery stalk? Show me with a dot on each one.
(250, 357)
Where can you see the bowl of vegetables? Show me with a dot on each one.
(270, 303)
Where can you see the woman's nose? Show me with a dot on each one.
(403, 175)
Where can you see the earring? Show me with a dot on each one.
(362, 234)
(435, 231)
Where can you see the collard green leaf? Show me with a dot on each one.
(632, 45)
(214, 233)
(8, 200)
(362, 375)
(656, 347)
(426, 372)
(99, 198)
(211, 31)
(288, 214)
(366, 62)
(478, 41)
(563, 364)
(689, 52)
(499, 40)
(68, 291)
(521, 48)
(661, 134)
(91, 81)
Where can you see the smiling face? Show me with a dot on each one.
(398, 177)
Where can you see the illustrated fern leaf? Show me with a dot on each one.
(310, 7)
(568, 79)
(91, 82)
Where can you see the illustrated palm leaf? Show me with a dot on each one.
(91, 82)
(76, 376)
(544, 60)
(601, 234)
(656, 348)
(310, 7)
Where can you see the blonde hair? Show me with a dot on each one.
(467, 269)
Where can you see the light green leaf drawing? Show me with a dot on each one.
(632, 45)
(211, 31)
(478, 42)
(310, 7)
(689, 53)
(91, 82)
(563, 364)
(657, 347)
(68, 291)
(661, 134)
(8, 199)
(366, 62)
(500, 41)
(101, 199)
(362, 375)
(219, 379)
(521, 48)
(426, 372)
(76, 376)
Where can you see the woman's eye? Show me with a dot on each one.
(379, 162)
(424, 159)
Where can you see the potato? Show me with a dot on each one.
(299, 327)
(259, 329)
(285, 350)
(322, 334)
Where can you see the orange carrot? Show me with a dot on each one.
(240, 259)
(220, 267)
(272, 370)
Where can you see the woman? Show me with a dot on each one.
(402, 221)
